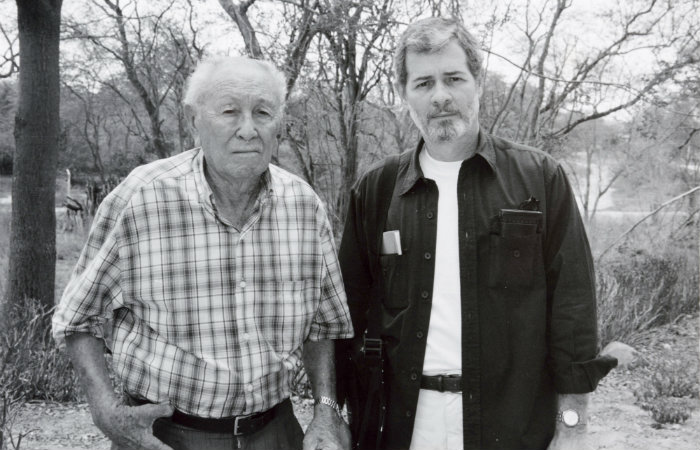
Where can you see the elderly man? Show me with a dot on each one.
(216, 268)
(474, 278)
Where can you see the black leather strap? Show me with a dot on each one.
(235, 425)
(442, 383)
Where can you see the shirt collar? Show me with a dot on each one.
(411, 173)
(204, 191)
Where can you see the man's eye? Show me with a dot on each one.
(423, 84)
(229, 111)
(264, 113)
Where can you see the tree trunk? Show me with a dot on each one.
(33, 231)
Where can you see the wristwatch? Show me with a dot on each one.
(323, 400)
(569, 417)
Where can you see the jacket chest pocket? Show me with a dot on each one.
(394, 286)
(515, 248)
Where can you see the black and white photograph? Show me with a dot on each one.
(349, 224)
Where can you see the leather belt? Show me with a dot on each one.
(441, 383)
(235, 425)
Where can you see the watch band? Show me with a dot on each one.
(569, 417)
(323, 400)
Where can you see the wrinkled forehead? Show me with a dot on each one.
(246, 80)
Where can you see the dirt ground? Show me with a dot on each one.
(615, 421)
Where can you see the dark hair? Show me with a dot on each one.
(431, 35)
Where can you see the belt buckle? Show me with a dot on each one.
(372, 349)
(235, 426)
(441, 383)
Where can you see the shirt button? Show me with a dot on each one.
(466, 234)
(409, 413)
(419, 335)
(249, 387)
(425, 294)
(429, 215)
(414, 377)
(516, 253)
(242, 284)
(245, 337)
(427, 255)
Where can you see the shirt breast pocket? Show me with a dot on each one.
(284, 314)
(515, 248)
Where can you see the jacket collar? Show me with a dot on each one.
(410, 171)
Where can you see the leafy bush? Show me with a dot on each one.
(639, 291)
(670, 410)
(666, 391)
(31, 366)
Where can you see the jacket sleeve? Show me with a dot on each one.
(355, 267)
(571, 294)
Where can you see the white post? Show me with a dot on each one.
(67, 182)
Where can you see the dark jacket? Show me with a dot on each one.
(528, 302)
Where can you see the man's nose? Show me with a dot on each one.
(441, 96)
(246, 129)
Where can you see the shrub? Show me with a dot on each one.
(666, 391)
(670, 410)
(31, 366)
(638, 291)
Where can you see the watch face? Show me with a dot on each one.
(569, 417)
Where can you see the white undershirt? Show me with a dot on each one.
(443, 353)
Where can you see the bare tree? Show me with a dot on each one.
(9, 61)
(33, 227)
(562, 85)
(155, 55)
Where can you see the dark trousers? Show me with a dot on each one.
(283, 432)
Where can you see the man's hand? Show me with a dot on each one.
(327, 431)
(127, 426)
(573, 440)
(576, 437)
(131, 427)
(625, 354)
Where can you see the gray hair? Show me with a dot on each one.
(206, 69)
(430, 36)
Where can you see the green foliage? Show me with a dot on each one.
(31, 366)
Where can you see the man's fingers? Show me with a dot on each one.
(156, 410)
(624, 353)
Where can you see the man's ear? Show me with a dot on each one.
(401, 90)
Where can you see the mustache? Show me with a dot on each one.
(435, 112)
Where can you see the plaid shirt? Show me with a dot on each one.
(205, 316)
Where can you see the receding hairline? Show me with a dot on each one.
(237, 70)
